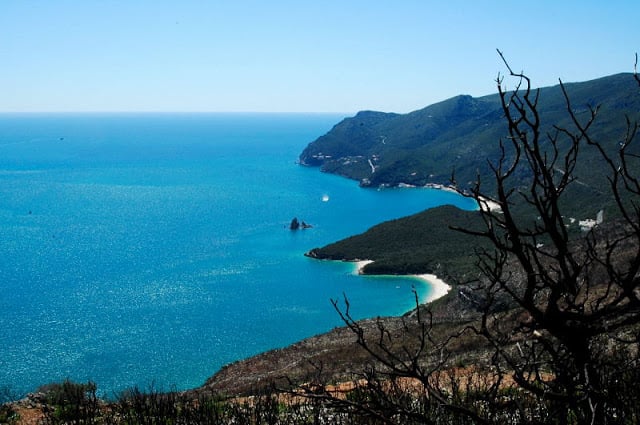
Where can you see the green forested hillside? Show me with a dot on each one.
(463, 134)
(421, 243)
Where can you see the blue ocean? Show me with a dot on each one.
(140, 249)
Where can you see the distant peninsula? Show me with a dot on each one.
(460, 136)
(418, 244)
(452, 143)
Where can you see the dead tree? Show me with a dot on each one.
(579, 292)
(566, 351)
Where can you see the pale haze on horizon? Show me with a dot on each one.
(296, 56)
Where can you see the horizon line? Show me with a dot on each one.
(181, 112)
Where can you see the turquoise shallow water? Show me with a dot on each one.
(139, 249)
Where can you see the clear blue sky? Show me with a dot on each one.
(290, 56)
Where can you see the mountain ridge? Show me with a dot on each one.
(461, 135)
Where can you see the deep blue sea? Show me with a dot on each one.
(140, 249)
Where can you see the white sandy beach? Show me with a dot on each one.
(439, 287)
(484, 204)
(360, 265)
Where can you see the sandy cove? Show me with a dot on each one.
(484, 203)
(439, 287)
